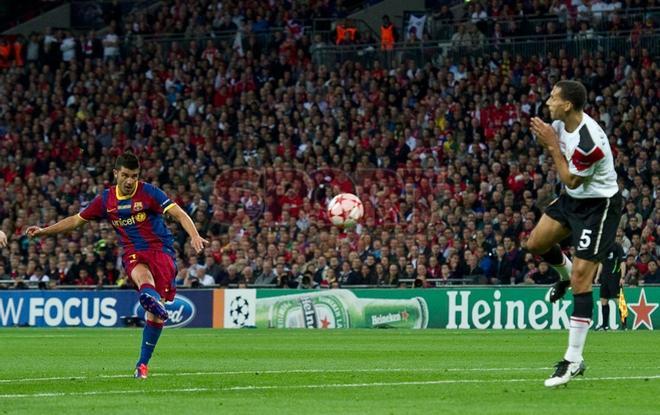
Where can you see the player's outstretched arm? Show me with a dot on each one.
(547, 137)
(182, 217)
(65, 225)
(3, 239)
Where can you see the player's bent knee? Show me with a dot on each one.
(582, 276)
(142, 275)
(535, 246)
(584, 270)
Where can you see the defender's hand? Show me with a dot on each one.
(544, 133)
(34, 231)
(198, 243)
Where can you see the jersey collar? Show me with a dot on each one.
(119, 197)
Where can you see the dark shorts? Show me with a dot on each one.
(162, 267)
(593, 223)
(609, 286)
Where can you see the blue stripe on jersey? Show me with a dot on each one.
(138, 242)
(157, 194)
(160, 229)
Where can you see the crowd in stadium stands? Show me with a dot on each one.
(205, 17)
(499, 20)
(253, 141)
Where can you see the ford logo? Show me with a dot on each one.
(182, 311)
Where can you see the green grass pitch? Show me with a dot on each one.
(89, 371)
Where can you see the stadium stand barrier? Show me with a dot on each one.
(424, 52)
(443, 29)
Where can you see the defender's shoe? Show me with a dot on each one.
(150, 304)
(557, 291)
(141, 371)
(564, 372)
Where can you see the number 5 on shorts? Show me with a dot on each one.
(585, 239)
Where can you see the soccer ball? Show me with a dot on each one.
(345, 210)
(239, 311)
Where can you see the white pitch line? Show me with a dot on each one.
(275, 372)
(317, 386)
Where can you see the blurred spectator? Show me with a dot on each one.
(543, 275)
(474, 272)
(501, 271)
(653, 275)
(267, 276)
(308, 282)
(205, 279)
(388, 35)
(38, 275)
(85, 278)
(68, 47)
(110, 46)
(232, 277)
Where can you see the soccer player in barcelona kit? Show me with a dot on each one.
(588, 211)
(136, 210)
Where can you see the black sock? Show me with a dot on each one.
(554, 256)
(583, 305)
(605, 313)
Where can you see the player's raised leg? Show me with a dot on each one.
(149, 297)
(156, 316)
(544, 241)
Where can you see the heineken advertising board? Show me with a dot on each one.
(505, 308)
(451, 308)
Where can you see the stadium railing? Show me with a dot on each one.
(444, 29)
(437, 52)
(136, 42)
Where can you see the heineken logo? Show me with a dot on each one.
(642, 311)
(500, 308)
(309, 313)
(464, 313)
(377, 320)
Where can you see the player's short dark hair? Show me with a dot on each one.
(127, 160)
(573, 92)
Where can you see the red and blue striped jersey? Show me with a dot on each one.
(137, 218)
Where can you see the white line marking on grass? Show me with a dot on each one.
(281, 372)
(316, 386)
(47, 336)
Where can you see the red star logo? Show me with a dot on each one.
(325, 323)
(643, 311)
(405, 315)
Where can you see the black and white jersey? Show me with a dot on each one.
(589, 155)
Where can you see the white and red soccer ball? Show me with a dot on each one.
(345, 210)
